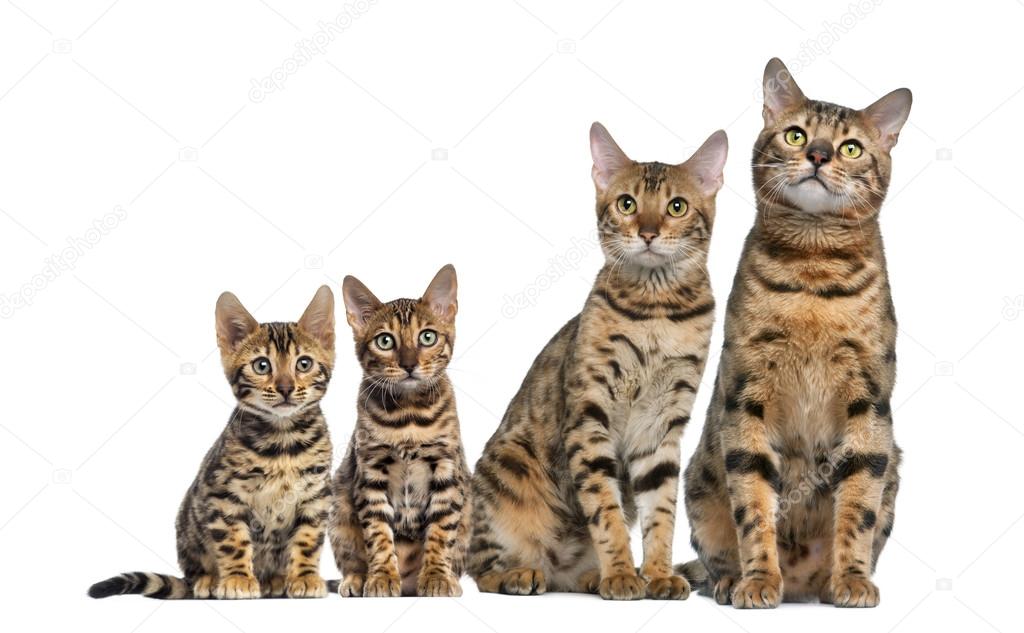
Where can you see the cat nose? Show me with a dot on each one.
(285, 389)
(409, 368)
(819, 153)
(648, 236)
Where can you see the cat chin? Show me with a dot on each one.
(813, 197)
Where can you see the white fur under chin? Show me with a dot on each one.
(812, 197)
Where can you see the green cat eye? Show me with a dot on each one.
(261, 366)
(385, 341)
(304, 364)
(428, 338)
(626, 204)
(795, 136)
(851, 149)
(677, 207)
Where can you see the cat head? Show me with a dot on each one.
(821, 158)
(277, 368)
(405, 344)
(652, 215)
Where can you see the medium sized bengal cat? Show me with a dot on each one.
(252, 524)
(591, 440)
(400, 520)
(791, 492)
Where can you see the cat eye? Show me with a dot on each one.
(385, 341)
(261, 366)
(428, 338)
(851, 149)
(626, 204)
(304, 364)
(677, 207)
(795, 136)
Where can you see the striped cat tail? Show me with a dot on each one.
(696, 574)
(159, 586)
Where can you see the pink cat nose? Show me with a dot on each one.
(819, 152)
(648, 236)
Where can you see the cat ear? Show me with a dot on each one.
(708, 162)
(609, 159)
(780, 91)
(441, 294)
(318, 319)
(234, 322)
(360, 303)
(888, 115)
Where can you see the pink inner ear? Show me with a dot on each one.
(608, 157)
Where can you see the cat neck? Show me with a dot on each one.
(811, 233)
(668, 278)
(247, 417)
(389, 397)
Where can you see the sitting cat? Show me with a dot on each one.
(592, 438)
(400, 521)
(791, 491)
(252, 523)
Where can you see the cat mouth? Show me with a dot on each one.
(812, 179)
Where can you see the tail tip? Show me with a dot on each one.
(333, 585)
(107, 588)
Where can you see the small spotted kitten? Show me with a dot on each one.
(400, 521)
(252, 523)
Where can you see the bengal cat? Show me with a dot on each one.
(592, 437)
(791, 491)
(400, 521)
(252, 523)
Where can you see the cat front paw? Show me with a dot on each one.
(351, 586)
(237, 588)
(310, 586)
(723, 590)
(202, 588)
(518, 581)
(759, 592)
(853, 591)
(668, 588)
(382, 585)
(273, 588)
(438, 585)
(622, 587)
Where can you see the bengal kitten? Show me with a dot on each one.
(400, 521)
(791, 491)
(592, 437)
(252, 523)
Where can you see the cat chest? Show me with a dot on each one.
(274, 496)
(409, 479)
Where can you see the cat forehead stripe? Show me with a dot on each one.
(653, 176)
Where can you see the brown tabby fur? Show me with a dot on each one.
(252, 523)
(592, 438)
(400, 522)
(791, 491)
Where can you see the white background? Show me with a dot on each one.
(428, 133)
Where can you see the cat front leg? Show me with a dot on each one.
(441, 525)
(307, 538)
(228, 528)
(753, 481)
(595, 470)
(377, 518)
(859, 480)
(654, 474)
